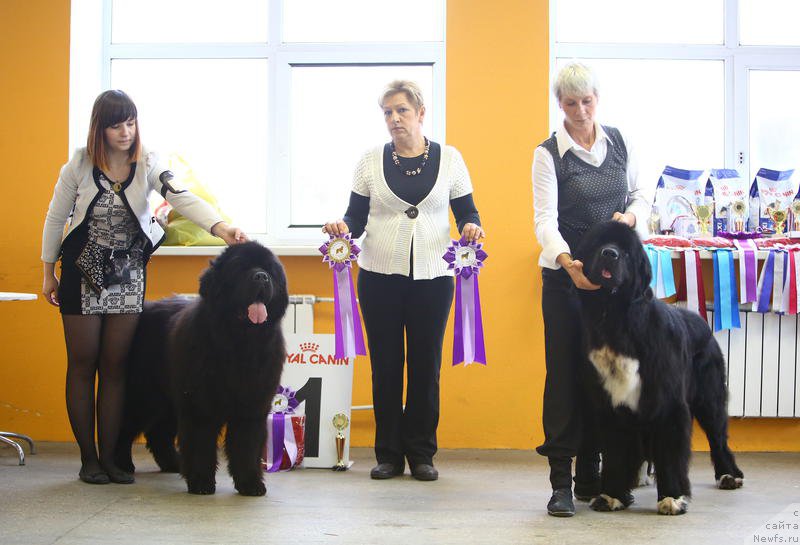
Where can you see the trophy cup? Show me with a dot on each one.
(778, 216)
(737, 209)
(796, 215)
(654, 222)
(340, 422)
(703, 213)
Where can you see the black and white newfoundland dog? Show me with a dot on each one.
(199, 363)
(656, 366)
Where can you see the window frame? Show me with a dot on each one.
(90, 73)
(738, 61)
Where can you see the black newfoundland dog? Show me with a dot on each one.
(198, 364)
(657, 366)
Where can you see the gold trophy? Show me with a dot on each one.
(703, 213)
(340, 422)
(738, 209)
(796, 215)
(778, 216)
(654, 222)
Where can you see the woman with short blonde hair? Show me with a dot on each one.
(411, 90)
(585, 173)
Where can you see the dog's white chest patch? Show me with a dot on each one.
(620, 376)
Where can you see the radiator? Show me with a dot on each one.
(299, 316)
(762, 358)
(762, 365)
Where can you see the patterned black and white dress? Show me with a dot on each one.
(111, 225)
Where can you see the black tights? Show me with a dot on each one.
(97, 345)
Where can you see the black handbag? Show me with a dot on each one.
(103, 267)
(118, 268)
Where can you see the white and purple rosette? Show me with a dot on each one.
(281, 437)
(339, 252)
(466, 259)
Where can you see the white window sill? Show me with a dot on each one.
(300, 250)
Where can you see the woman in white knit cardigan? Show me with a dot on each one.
(402, 192)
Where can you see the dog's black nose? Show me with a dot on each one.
(610, 253)
(261, 276)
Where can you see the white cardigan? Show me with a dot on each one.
(76, 188)
(389, 232)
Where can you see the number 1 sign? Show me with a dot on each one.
(324, 386)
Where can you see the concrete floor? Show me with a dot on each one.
(482, 497)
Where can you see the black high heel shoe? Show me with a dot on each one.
(116, 475)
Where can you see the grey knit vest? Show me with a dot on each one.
(588, 194)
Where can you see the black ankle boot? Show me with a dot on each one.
(560, 504)
(386, 470)
(424, 472)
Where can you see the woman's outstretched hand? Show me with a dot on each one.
(231, 235)
(574, 269)
(627, 218)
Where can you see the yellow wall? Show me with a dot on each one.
(497, 74)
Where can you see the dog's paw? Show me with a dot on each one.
(673, 506)
(251, 488)
(201, 488)
(728, 482)
(606, 504)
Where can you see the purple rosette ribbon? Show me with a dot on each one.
(339, 252)
(748, 267)
(765, 284)
(466, 259)
(280, 437)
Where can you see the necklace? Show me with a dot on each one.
(116, 187)
(417, 170)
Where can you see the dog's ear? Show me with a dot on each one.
(280, 299)
(208, 281)
(278, 305)
(641, 263)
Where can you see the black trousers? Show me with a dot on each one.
(405, 321)
(567, 412)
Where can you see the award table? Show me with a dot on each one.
(750, 298)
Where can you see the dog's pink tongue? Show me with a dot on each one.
(605, 274)
(257, 313)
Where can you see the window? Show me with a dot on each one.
(695, 83)
(769, 22)
(270, 102)
(637, 21)
(334, 108)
